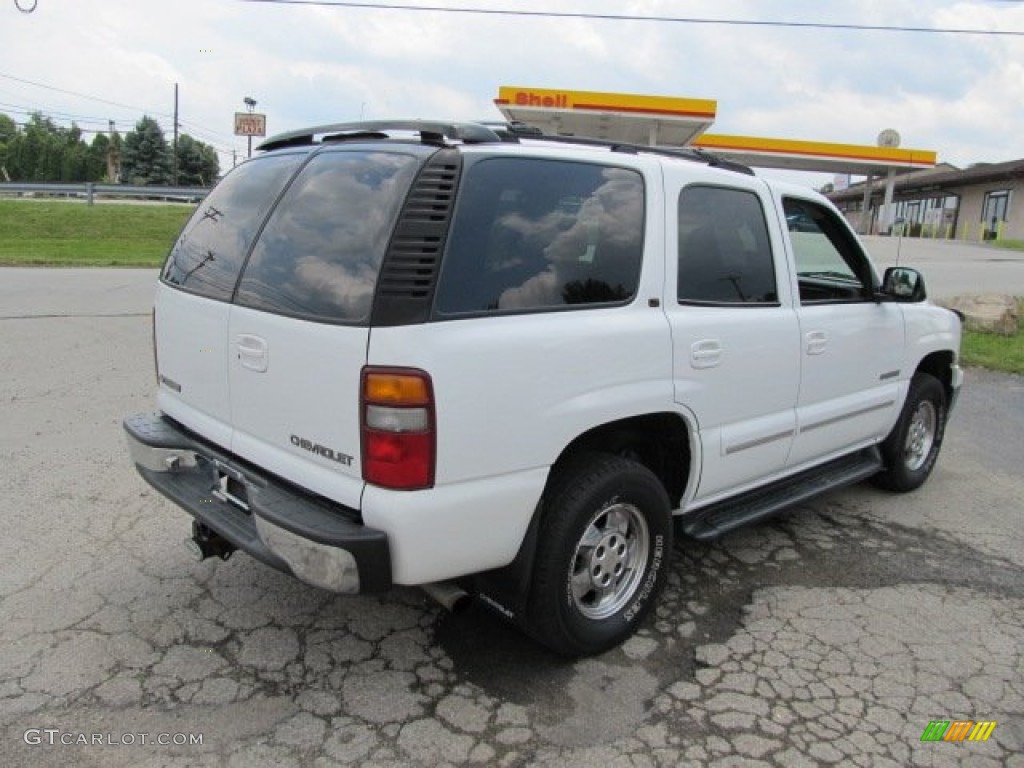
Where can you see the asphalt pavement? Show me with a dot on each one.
(832, 635)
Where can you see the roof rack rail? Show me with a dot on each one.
(510, 131)
(696, 154)
(430, 131)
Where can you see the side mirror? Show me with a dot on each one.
(903, 284)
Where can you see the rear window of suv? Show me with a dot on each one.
(534, 234)
(209, 252)
(320, 253)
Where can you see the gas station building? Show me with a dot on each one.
(904, 189)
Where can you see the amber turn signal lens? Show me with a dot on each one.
(396, 388)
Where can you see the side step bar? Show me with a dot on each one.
(718, 519)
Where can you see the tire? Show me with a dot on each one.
(910, 450)
(602, 554)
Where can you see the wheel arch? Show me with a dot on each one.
(940, 365)
(659, 441)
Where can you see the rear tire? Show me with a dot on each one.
(602, 554)
(911, 449)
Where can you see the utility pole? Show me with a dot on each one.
(174, 150)
(113, 157)
(250, 105)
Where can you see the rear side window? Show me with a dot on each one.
(209, 253)
(535, 234)
(725, 255)
(320, 253)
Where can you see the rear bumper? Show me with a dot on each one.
(321, 543)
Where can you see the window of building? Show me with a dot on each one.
(996, 207)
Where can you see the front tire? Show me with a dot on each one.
(911, 449)
(602, 554)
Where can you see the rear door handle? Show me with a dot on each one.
(706, 353)
(252, 352)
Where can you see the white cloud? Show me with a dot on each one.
(960, 95)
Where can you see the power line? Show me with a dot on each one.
(194, 128)
(56, 113)
(82, 95)
(631, 17)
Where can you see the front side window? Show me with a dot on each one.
(830, 265)
(531, 234)
(209, 253)
(725, 256)
(320, 253)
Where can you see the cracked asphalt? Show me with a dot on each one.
(831, 635)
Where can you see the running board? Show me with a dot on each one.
(718, 519)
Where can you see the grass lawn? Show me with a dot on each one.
(988, 350)
(1011, 245)
(69, 234)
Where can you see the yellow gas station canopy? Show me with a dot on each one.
(670, 121)
(615, 116)
(814, 155)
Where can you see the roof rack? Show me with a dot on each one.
(510, 131)
(439, 133)
(694, 154)
(430, 131)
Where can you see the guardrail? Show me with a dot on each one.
(90, 191)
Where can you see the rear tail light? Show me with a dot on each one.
(397, 419)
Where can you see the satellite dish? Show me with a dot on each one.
(889, 138)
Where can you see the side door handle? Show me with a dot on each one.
(252, 352)
(815, 342)
(706, 353)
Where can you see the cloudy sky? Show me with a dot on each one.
(960, 95)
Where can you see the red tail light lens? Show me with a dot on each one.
(397, 419)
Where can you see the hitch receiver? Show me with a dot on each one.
(206, 542)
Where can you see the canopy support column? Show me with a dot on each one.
(865, 208)
(890, 187)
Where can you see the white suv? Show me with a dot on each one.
(478, 362)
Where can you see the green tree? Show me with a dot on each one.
(145, 158)
(73, 153)
(39, 155)
(8, 131)
(96, 157)
(198, 164)
(44, 151)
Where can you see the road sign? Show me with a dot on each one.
(250, 124)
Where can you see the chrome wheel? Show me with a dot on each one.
(920, 435)
(609, 561)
